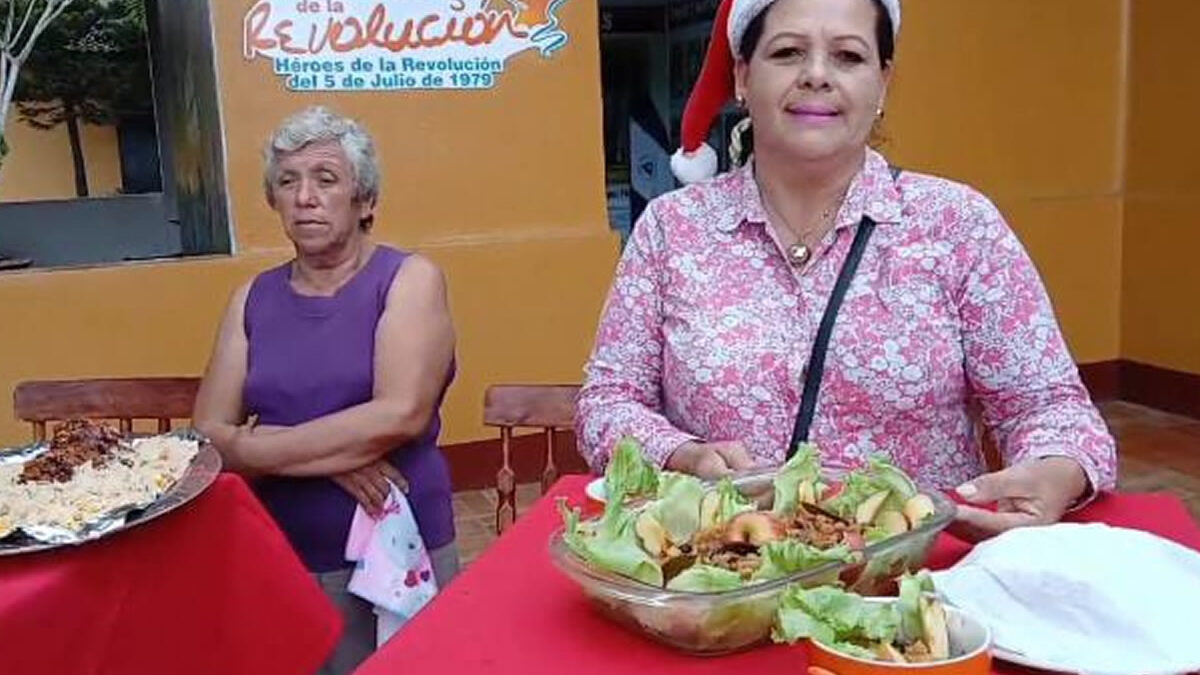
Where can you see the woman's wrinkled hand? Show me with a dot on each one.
(370, 486)
(1036, 492)
(710, 460)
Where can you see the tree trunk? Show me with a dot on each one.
(81, 179)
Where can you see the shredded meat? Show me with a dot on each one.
(809, 525)
(75, 443)
(818, 528)
(917, 652)
(712, 549)
(708, 541)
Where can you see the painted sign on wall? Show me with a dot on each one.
(373, 45)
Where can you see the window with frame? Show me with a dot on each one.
(114, 137)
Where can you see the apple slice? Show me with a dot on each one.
(934, 629)
(830, 492)
(918, 508)
(865, 514)
(892, 522)
(652, 534)
(806, 492)
(755, 528)
(854, 540)
(889, 653)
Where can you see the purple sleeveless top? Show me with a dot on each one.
(312, 356)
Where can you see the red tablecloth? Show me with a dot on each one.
(511, 611)
(211, 588)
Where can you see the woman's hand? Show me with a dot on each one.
(710, 460)
(1037, 492)
(369, 485)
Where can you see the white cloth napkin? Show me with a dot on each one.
(1084, 598)
(392, 568)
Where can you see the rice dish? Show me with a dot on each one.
(132, 475)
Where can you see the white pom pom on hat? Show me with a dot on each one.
(696, 160)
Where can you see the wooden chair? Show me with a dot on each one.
(511, 406)
(125, 400)
(552, 408)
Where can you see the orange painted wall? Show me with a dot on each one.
(503, 187)
(1160, 322)
(39, 164)
(505, 190)
(1022, 99)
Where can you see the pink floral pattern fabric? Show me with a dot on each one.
(707, 331)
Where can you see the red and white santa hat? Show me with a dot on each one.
(696, 160)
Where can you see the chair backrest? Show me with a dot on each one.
(511, 406)
(552, 408)
(123, 399)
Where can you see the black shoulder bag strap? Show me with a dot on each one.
(816, 360)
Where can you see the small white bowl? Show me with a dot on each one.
(595, 490)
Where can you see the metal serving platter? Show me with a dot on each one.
(200, 474)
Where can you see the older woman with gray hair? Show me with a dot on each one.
(340, 357)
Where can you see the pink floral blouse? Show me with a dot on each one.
(707, 332)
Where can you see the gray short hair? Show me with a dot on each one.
(317, 124)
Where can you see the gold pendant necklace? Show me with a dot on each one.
(798, 254)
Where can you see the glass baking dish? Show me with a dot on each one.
(717, 623)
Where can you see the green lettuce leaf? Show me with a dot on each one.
(879, 623)
(731, 501)
(856, 488)
(899, 482)
(830, 616)
(629, 475)
(737, 623)
(678, 505)
(875, 533)
(912, 587)
(788, 556)
(876, 476)
(902, 487)
(705, 579)
(851, 649)
(574, 532)
(805, 465)
(793, 624)
(611, 544)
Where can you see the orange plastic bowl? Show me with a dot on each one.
(970, 649)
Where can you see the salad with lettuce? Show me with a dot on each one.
(909, 629)
(673, 531)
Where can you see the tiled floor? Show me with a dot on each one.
(1158, 452)
(475, 517)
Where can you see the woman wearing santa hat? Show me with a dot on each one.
(814, 293)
